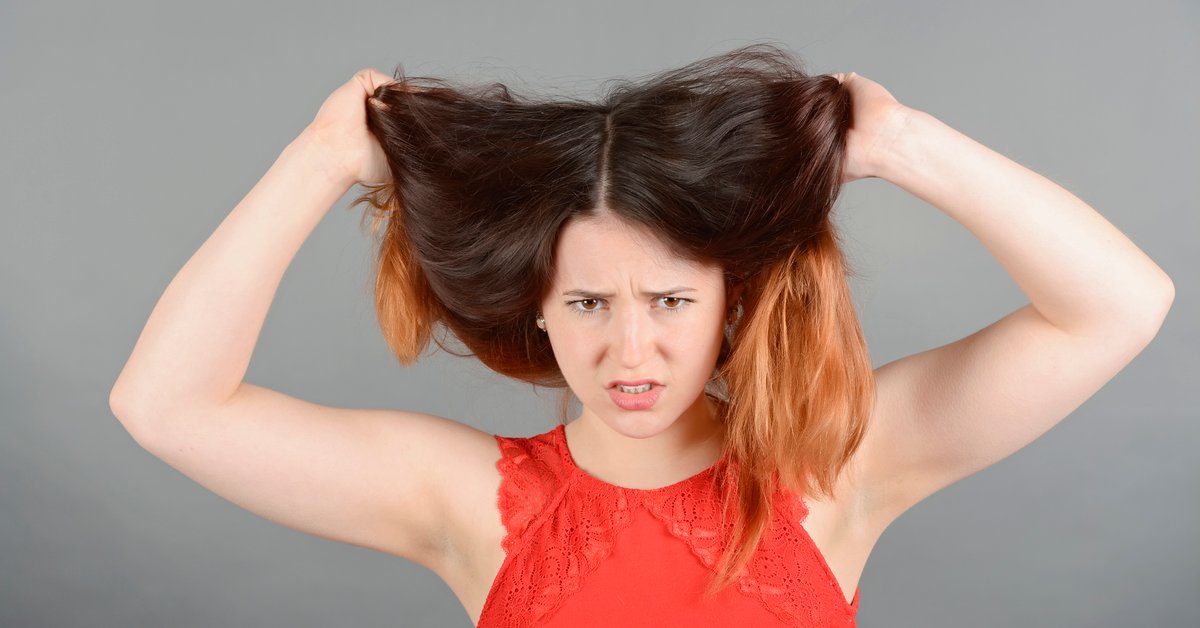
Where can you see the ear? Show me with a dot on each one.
(735, 293)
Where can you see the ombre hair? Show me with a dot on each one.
(734, 160)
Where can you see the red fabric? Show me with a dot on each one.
(582, 552)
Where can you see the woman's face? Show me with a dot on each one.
(624, 307)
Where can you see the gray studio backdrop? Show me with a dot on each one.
(131, 129)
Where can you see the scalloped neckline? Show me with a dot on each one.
(560, 435)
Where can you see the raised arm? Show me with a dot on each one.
(1096, 300)
(379, 478)
(196, 345)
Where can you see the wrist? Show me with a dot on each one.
(895, 151)
(315, 156)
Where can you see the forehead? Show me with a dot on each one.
(605, 249)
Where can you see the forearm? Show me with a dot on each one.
(1080, 272)
(196, 345)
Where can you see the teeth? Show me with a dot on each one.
(634, 389)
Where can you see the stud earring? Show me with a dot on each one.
(541, 322)
(734, 313)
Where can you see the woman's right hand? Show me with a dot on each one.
(339, 131)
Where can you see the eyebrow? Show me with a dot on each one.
(605, 295)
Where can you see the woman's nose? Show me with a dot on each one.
(633, 337)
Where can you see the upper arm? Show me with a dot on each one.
(946, 413)
(376, 478)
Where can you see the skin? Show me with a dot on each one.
(379, 478)
(1095, 301)
(674, 339)
(630, 336)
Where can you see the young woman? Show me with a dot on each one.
(666, 256)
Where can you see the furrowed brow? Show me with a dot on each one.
(605, 295)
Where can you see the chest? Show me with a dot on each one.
(841, 546)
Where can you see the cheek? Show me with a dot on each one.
(574, 349)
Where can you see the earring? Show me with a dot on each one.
(734, 313)
(541, 322)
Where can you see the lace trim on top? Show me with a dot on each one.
(572, 538)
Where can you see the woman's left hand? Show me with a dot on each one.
(877, 119)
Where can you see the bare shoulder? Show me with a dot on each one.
(469, 483)
(864, 486)
(469, 486)
(459, 469)
(948, 412)
(860, 503)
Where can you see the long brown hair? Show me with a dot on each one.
(734, 160)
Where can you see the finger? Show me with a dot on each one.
(373, 78)
(379, 78)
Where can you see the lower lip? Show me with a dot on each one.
(635, 401)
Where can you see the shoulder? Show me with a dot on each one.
(867, 486)
(531, 471)
(495, 485)
(539, 454)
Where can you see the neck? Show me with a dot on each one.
(691, 444)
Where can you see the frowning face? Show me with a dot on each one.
(622, 306)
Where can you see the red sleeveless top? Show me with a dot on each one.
(582, 552)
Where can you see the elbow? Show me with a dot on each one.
(1165, 298)
(1135, 316)
(118, 402)
(121, 401)
(125, 408)
(1155, 309)
(1168, 292)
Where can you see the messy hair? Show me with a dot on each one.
(734, 160)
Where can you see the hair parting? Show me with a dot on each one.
(732, 160)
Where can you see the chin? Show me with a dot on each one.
(639, 427)
(638, 423)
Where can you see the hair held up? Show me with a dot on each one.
(732, 160)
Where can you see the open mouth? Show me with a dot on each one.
(635, 397)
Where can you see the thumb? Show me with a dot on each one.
(370, 79)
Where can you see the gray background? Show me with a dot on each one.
(131, 129)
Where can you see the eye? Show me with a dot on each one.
(682, 304)
(584, 312)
